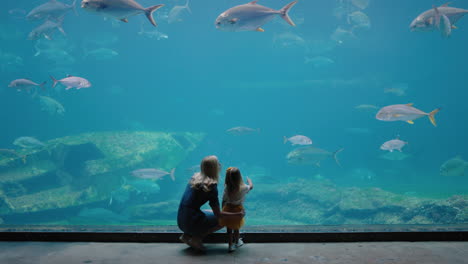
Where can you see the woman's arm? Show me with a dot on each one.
(217, 212)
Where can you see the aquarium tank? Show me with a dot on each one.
(341, 112)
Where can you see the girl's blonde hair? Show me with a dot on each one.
(208, 176)
(232, 181)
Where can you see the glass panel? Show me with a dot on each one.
(316, 115)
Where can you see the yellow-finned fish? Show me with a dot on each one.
(404, 112)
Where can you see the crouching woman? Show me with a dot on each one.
(202, 188)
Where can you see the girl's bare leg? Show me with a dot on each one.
(236, 236)
(229, 232)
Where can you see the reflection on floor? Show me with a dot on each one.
(128, 253)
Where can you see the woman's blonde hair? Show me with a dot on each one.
(208, 176)
(233, 181)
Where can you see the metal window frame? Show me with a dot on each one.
(251, 234)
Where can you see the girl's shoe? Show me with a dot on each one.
(239, 243)
(231, 248)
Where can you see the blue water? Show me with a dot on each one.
(201, 79)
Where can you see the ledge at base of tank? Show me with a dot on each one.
(75, 171)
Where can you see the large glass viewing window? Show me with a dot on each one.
(121, 150)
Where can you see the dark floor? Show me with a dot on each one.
(134, 253)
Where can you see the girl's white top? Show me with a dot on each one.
(237, 198)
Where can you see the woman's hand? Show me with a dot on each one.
(242, 213)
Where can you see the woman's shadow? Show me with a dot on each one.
(211, 250)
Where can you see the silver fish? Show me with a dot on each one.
(153, 174)
(362, 4)
(176, 12)
(51, 106)
(398, 89)
(404, 112)
(46, 30)
(72, 82)
(25, 84)
(298, 140)
(311, 155)
(366, 107)
(52, 9)
(119, 9)
(394, 144)
(431, 19)
(319, 61)
(359, 20)
(250, 17)
(102, 54)
(28, 143)
(238, 131)
(454, 167)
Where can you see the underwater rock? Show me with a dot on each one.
(319, 201)
(84, 169)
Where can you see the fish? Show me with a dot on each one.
(17, 13)
(56, 55)
(158, 35)
(51, 106)
(25, 84)
(311, 155)
(102, 54)
(176, 11)
(46, 30)
(288, 39)
(142, 186)
(51, 9)
(238, 131)
(398, 89)
(361, 4)
(366, 107)
(454, 167)
(319, 61)
(10, 62)
(394, 144)
(72, 82)
(341, 35)
(153, 174)
(446, 26)
(298, 140)
(28, 143)
(359, 19)
(120, 9)
(431, 19)
(193, 169)
(404, 112)
(251, 17)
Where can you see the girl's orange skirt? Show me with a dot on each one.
(232, 223)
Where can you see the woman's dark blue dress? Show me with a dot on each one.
(190, 218)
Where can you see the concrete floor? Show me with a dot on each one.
(321, 253)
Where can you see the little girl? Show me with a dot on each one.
(235, 191)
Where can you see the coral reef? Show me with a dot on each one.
(75, 171)
(321, 202)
